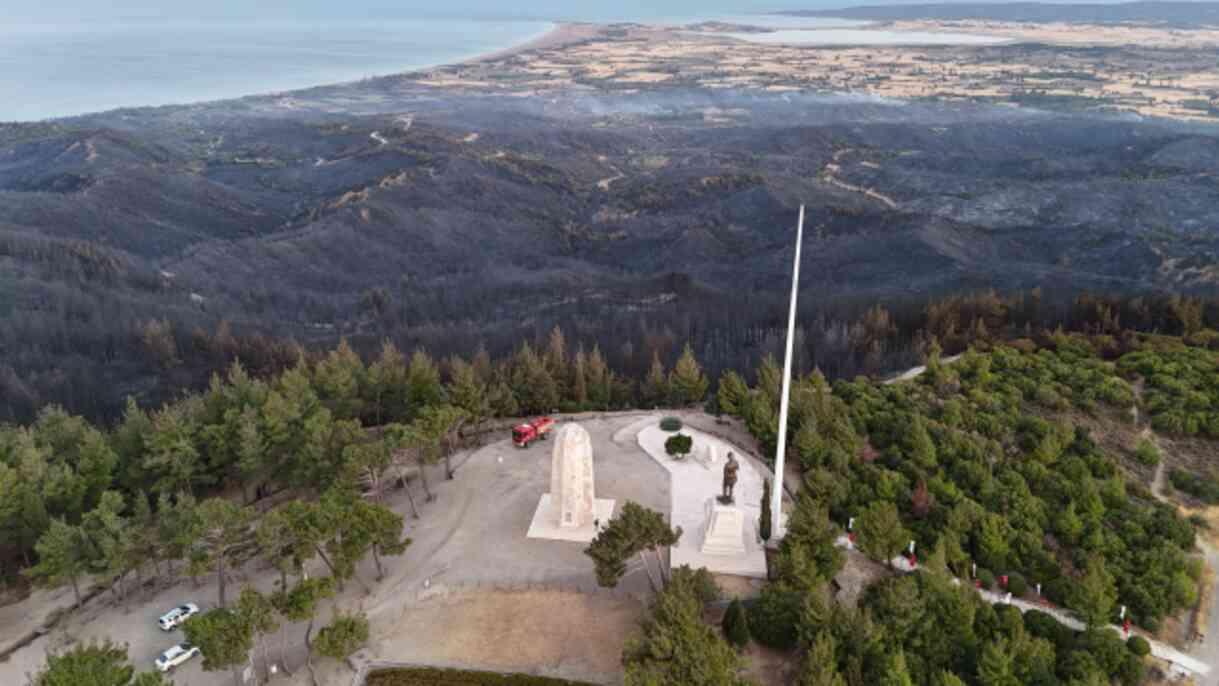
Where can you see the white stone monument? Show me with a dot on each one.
(725, 531)
(570, 511)
(708, 456)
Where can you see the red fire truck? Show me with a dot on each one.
(529, 432)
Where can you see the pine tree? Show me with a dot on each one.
(764, 523)
(676, 647)
(224, 638)
(687, 383)
(655, 390)
(556, 361)
(300, 603)
(579, 380)
(821, 663)
(338, 379)
(881, 534)
(63, 556)
(385, 389)
(220, 528)
(423, 383)
(895, 672)
(770, 381)
(736, 625)
(532, 385)
(1095, 595)
(934, 374)
(732, 393)
(635, 530)
(88, 664)
(468, 392)
(995, 667)
(918, 444)
(600, 381)
(481, 362)
(257, 610)
(172, 455)
(343, 636)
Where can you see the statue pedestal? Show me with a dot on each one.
(546, 521)
(725, 532)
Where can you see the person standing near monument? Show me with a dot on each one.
(730, 469)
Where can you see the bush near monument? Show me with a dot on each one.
(736, 625)
(764, 524)
(671, 424)
(775, 616)
(679, 446)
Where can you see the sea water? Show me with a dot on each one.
(57, 70)
(87, 57)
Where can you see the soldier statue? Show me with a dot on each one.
(730, 470)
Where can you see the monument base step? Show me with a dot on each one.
(545, 522)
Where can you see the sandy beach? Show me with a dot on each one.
(560, 36)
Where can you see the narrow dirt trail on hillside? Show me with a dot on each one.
(1205, 646)
(831, 168)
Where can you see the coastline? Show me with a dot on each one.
(559, 35)
(554, 34)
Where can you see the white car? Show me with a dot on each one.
(175, 656)
(174, 618)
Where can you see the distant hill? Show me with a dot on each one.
(1174, 13)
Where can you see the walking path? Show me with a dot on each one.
(1194, 665)
(1208, 646)
(1161, 650)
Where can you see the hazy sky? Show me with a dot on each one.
(68, 10)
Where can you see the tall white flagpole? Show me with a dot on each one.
(776, 491)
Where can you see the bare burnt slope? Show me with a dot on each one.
(446, 221)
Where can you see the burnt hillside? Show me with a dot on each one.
(447, 221)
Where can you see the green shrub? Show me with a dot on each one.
(1139, 646)
(1059, 589)
(1147, 453)
(764, 524)
(1017, 585)
(986, 577)
(1132, 670)
(700, 582)
(736, 625)
(679, 445)
(671, 424)
(343, 636)
(1150, 623)
(1202, 488)
(1043, 625)
(774, 616)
